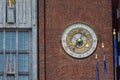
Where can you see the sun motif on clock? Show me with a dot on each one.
(79, 40)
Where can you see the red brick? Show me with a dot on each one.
(59, 14)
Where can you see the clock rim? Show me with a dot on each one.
(89, 49)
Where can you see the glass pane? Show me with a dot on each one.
(13, 46)
(0, 77)
(10, 77)
(1, 40)
(10, 56)
(10, 62)
(23, 62)
(23, 77)
(10, 40)
(23, 41)
(7, 46)
(1, 62)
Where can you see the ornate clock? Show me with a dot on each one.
(79, 40)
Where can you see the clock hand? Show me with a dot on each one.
(81, 36)
(70, 44)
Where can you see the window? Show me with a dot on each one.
(23, 41)
(10, 62)
(23, 62)
(15, 51)
(23, 77)
(18, 40)
(10, 38)
(10, 77)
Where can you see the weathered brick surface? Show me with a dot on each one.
(41, 40)
(59, 14)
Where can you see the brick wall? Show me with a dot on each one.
(54, 17)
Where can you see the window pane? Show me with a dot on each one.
(23, 77)
(10, 40)
(23, 62)
(23, 40)
(10, 62)
(10, 77)
(1, 40)
(0, 77)
(1, 62)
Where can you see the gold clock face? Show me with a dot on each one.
(79, 40)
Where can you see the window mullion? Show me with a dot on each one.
(4, 58)
(30, 55)
(10, 42)
(16, 68)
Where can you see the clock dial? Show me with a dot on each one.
(79, 40)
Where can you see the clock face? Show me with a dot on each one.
(79, 40)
